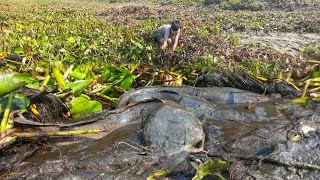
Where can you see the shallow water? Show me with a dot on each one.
(231, 130)
(93, 154)
(255, 131)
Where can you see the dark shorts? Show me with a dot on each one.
(157, 36)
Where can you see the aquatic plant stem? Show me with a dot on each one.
(6, 113)
(45, 83)
(106, 97)
(55, 134)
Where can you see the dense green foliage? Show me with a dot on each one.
(70, 37)
(112, 45)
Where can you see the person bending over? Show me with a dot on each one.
(165, 34)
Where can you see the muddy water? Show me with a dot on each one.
(229, 128)
(86, 159)
(90, 158)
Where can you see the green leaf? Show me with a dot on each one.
(209, 168)
(216, 59)
(77, 75)
(59, 77)
(203, 170)
(105, 76)
(62, 50)
(85, 96)
(9, 83)
(220, 165)
(18, 50)
(79, 86)
(71, 40)
(316, 74)
(80, 72)
(139, 45)
(126, 83)
(81, 106)
(117, 81)
(51, 83)
(19, 102)
(33, 86)
(69, 58)
(106, 89)
(302, 100)
(160, 174)
(136, 43)
(7, 31)
(26, 78)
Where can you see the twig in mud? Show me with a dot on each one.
(293, 85)
(143, 147)
(304, 79)
(264, 91)
(262, 159)
(314, 89)
(228, 120)
(195, 81)
(134, 147)
(305, 88)
(232, 172)
(314, 61)
(288, 76)
(150, 83)
(268, 159)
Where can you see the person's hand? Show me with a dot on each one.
(170, 52)
(164, 46)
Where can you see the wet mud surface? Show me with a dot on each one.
(168, 128)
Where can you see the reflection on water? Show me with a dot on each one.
(231, 130)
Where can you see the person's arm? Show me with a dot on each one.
(176, 39)
(165, 43)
